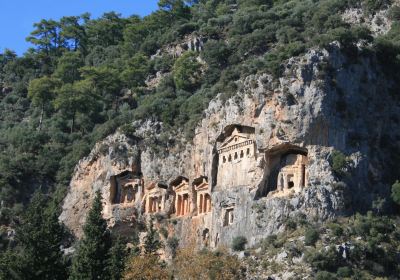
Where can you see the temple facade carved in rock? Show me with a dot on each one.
(155, 198)
(237, 159)
(183, 196)
(284, 168)
(126, 188)
(203, 195)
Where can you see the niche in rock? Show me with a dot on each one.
(228, 217)
(206, 237)
(125, 188)
(286, 168)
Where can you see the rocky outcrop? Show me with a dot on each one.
(378, 23)
(323, 102)
(191, 42)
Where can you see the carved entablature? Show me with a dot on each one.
(236, 157)
(183, 196)
(203, 195)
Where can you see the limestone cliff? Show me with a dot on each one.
(264, 156)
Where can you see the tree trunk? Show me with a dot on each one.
(73, 123)
(41, 118)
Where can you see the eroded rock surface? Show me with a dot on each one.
(264, 156)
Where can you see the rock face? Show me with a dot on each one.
(190, 42)
(264, 156)
(112, 156)
(379, 23)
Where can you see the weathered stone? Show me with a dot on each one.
(290, 127)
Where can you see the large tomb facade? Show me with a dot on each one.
(236, 158)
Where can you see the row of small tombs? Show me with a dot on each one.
(127, 188)
(286, 171)
(289, 171)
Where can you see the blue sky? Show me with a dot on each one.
(17, 16)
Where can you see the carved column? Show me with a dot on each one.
(188, 205)
(178, 205)
(200, 204)
(205, 203)
(281, 183)
(184, 205)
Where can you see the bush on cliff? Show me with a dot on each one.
(239, 243)
(396, 192)
(311, 236)
(339, 163)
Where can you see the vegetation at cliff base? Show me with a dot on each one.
(91, 259)
(40, 237)
(356, 247)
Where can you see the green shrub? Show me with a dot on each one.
(326, 259)
(344, 271)
(164, 232)
(163, 64)
(187, 71)
(239, 243)
(269, 241)
(394, 13)
(396, 192)
(339, 163)
(291, 224)
(311, 236)
(173, 243)
(294, 249)
(372, 6)
(336, 229)
(324, 275)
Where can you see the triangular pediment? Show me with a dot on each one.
(202, 186)
(234, 139)
(181, 187)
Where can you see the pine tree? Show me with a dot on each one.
(92, 256)
(41, 91)
(116, 264)
(151, 243)
(40, 237)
